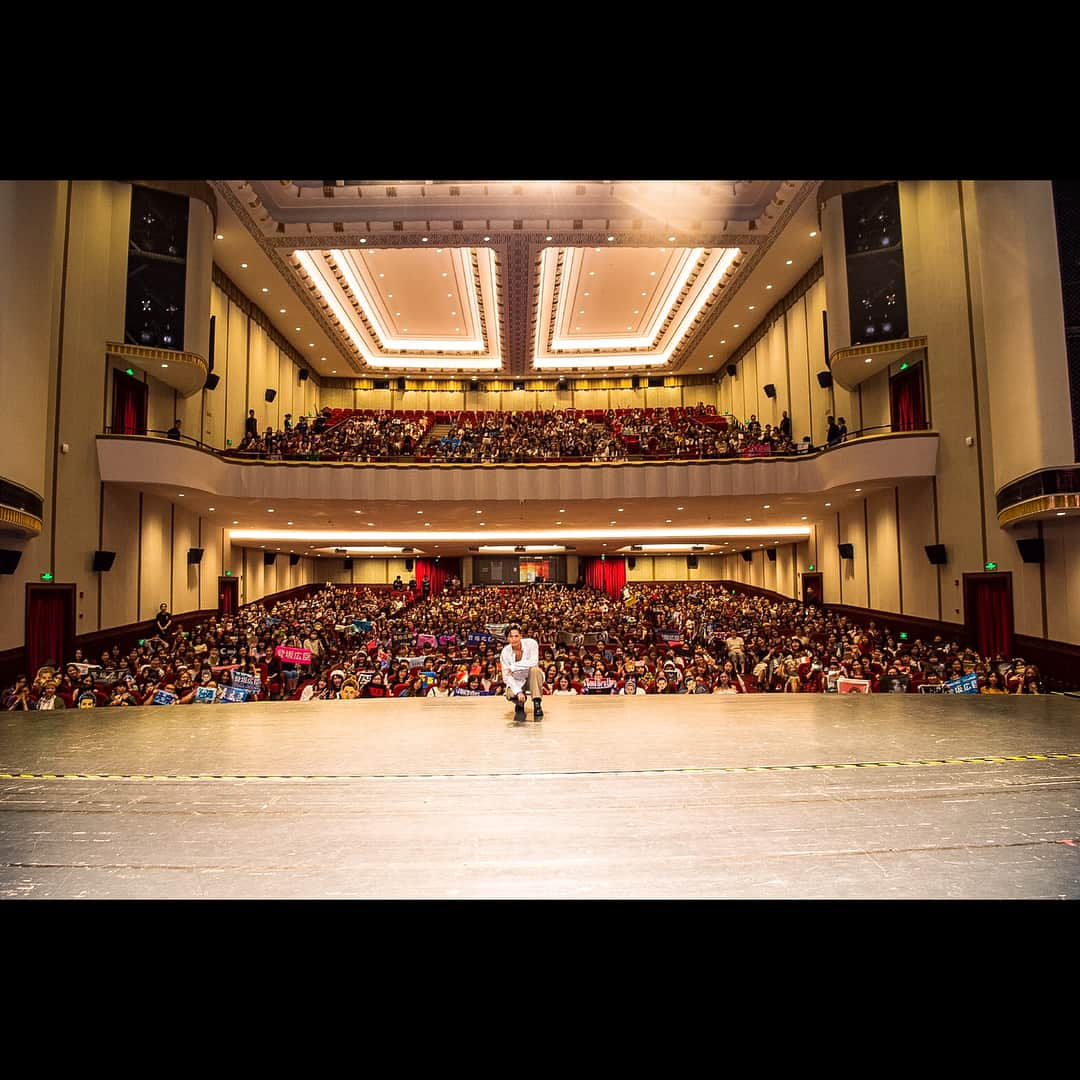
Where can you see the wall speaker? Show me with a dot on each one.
(270, 395)
(103, 560)
(746, 555)
(631, 563)
(691, 562)
(563, 385)
(294, 559)
(656, 380)
(770, 390)
(347, 563)
(304, 373)
(824, 379)
(519, 384)
(847, 551)
(382, 384)
(210, 345)
(936, 554)
(9, 560)
(771, 554)
(194, 556)
(635, 381)
(731, 370)
(212, 381)
(1031, 550)
(401, 382)
(408, 565)
(474, 384)
(269, 558)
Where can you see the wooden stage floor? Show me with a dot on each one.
(771, 796)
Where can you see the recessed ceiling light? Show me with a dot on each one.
(814, 233)
(701, 369)
(652, 273)
(858, 489)
(710, 356)
(371, 522)
(736, 326)
(311, 344)
(667, 521)
(382, 275)
(438, 251)
(236, 522)
(449, 296)
(869, 359)
(288, 522)
(363, 240)
(828, 504)
(637, 311)
(423, 239)
(671, 238)
(243, 266)
(445, 274)
(270, 510)
(803, 518)
(547, 237)
(322, 357)
(748, 519)
(397, 314)
(334, 372)
(750, 308)
(1061, 513)
(487, 238)
(723, 341)
(419, 511)
(788, 262)
(768, 286)
(610, 238)
(179, 494)
(588, 294)
(298, 329)
(265, 289)
(482, 523)
(620, 509)
(211, 508)
(220, 237)
(581, 312)
(767, 506)
(611, 522)
(678, 508)
(281, 311)
(358, 511)
(592, 273)
(453, 313)
(164, 365)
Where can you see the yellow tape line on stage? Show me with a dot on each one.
(995, 760)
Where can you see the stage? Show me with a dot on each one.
(763, 796)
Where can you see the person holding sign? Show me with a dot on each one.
(520, 660)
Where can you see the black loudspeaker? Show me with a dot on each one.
(1031, 550)
(103, 560)
(408, 566)
(656, 380)
(691, 562)
(770, 390)
(9, 560)
(304, 373)
(519, 384)
(824, 379)
(347, 563)
(210, 345)
(747, 555)
(269, 558)
(474, 385)
(635, 381)
(294, 559)
(771, 553)
(562, 382)
(194, 556)
(731, 370)
(270, 395)
(401, 382)
(212, 381)
(847, 551)
(382, 384)
(631, 563)
(936, 554)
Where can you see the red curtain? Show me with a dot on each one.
(438, 573)
(607, 574)
(906, 398)
(50, 629)
(227, 596)
(991, 616)
(129, 405)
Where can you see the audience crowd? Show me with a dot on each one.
(515, 437)
(656, 638)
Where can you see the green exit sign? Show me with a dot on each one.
(903, 635)
(810, 567)
(904, 366)
(990, 566)
(129, 371)
(228, 573)
(46, 576)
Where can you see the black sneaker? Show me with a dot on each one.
(519, 713)
(538, 711)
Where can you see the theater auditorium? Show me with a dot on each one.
(778, 479)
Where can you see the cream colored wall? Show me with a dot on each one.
(31, 258)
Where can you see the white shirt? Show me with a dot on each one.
(516, 672)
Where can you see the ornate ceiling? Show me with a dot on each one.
(518, 278)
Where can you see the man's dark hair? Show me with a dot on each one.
(514, 626)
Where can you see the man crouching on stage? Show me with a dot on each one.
(521, 672)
